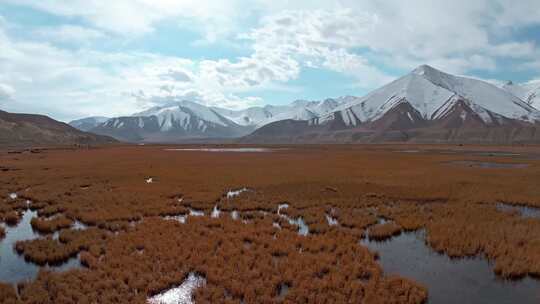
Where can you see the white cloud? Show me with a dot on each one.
(353, 37)
(70, 34)
(407, 33)
(316, 39)
(6, 92)
(74, 83)
(135, 17)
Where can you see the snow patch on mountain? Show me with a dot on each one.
(249, 117)
(528, 92)
(181, 113)
(297, 110)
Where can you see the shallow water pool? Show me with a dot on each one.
(468, 280)
(13, 267)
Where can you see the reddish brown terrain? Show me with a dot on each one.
(22, 130)
(132, 248)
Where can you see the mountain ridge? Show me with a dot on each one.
(18, 129)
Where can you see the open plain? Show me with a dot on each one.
(267, 224)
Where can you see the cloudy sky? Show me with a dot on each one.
(76, 58)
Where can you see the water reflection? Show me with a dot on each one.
(303, 229)
(194, 212)
(332, 221)
(13, 267)
(469, 280)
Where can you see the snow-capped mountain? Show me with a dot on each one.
(426, 104)
(171, 123)
(187, 120)
(86, 124)
(432, 94)
(528, 92)
(181, 113)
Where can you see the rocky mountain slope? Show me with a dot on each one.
(31, 130)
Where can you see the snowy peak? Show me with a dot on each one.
(427, 71)
(432, 92)
(182, 112)
(439, 78)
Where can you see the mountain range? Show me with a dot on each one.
(185, 120)
(426, 105)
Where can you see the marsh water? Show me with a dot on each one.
(523, 211)
(303, 228)
(13, 267)
(488, 165)
(467, 280)
(237, 150)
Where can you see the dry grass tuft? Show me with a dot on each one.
(384, 231)
(52, 225)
